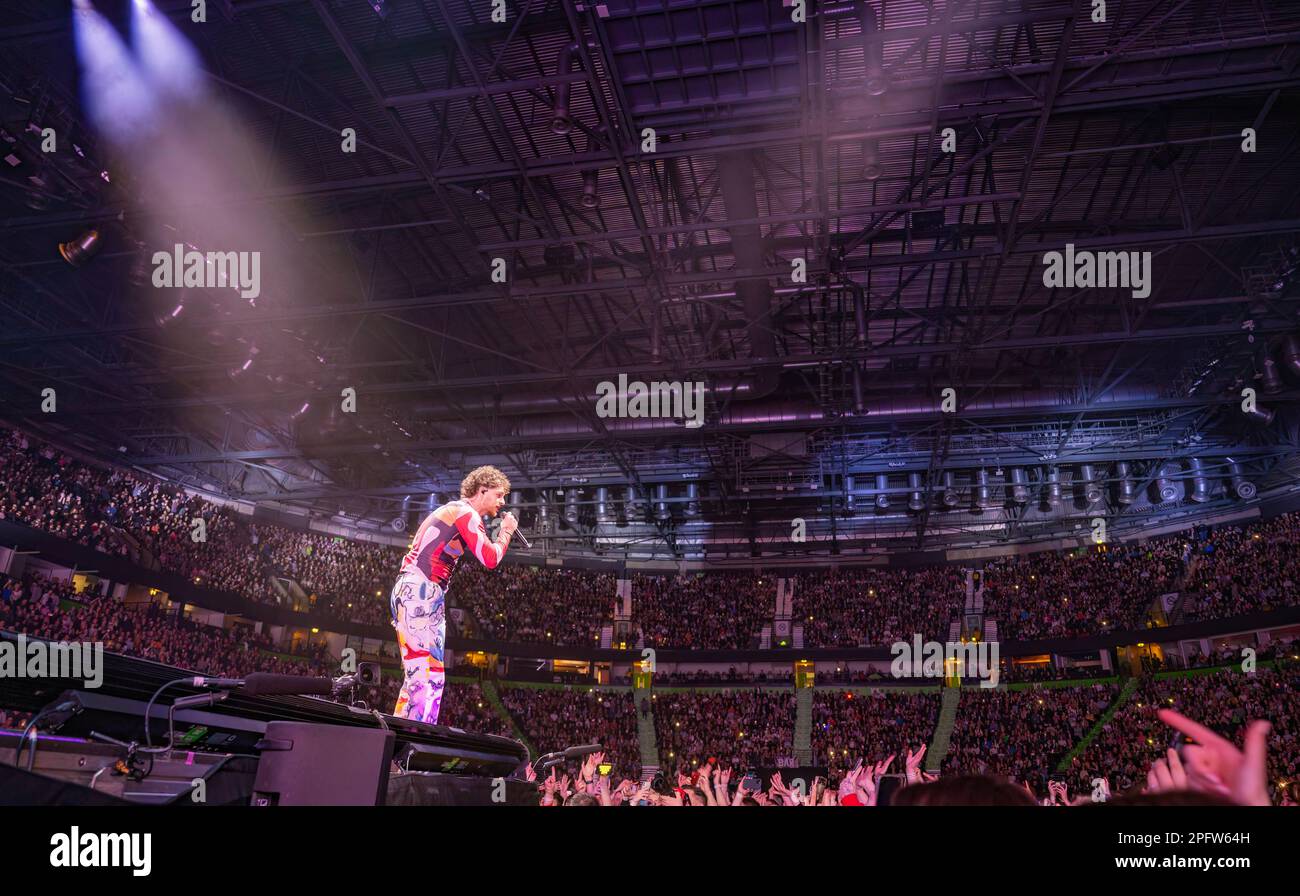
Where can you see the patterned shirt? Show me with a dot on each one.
(442, 539)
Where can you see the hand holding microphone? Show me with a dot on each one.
(510, 526)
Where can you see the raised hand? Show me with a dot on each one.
(914, 764)
(1214, 765)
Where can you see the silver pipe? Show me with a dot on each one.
(1019, 486)
(1241, 487)
(1200, 490)
(915, 501)
(1126, 490)
(882, 491)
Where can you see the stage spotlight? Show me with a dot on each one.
(77, 252)
(168, 60)
(116, 97)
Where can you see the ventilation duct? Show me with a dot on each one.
(882, 491)
(632, 505)
(1126, 492)
(950, 497)
(915, 500)
(771, 412)
(873, 47)
(543, 508)
(1052, 493)
(1091, 489)
(1200, 490)
(1241, 487)
(561, 121)
(591, 180)
(1291, 354)
(1165, 489)
(692, 500)
(571, 506)
(982, 493)
(1270, 378)
(432, 503)
(871, 169)
(849, 497)
(602, 505)
(661, 503)
(1260, 415)
(1019, 486)
(739, 194)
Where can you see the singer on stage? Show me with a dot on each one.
(418, 602)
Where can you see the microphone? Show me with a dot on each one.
(267, 684)
(583, 750)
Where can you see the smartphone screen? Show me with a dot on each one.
(889, 785)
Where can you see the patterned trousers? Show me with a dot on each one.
(419, 615)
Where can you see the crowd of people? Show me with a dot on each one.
(554, 719)
(699, 611)
(740, 728)
(542, 605)
(1022, 734)
(1075, 594)
(870, 725)
(148, 631)
(1242, 570)
(868, 606)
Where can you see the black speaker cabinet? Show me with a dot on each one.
(322, 765)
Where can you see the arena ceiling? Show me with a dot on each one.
(774, 141)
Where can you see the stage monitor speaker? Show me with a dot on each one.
(322, 765)
(434, 789)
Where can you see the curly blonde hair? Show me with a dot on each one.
(481, 478)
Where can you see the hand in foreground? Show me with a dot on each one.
(1214, 765)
